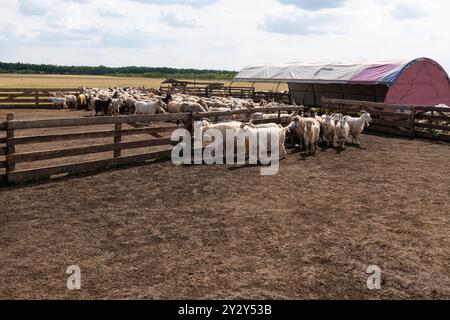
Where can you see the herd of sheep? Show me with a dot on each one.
(309, 128)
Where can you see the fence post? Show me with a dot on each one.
(118, 139)
(36, 98)
(431, 122)
(413, 123)
(191, 125)
(10, 147)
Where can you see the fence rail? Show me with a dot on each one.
(30, 98)
(235, 92)
(405, 120)
(139, 126)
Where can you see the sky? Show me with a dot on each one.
(221, 34)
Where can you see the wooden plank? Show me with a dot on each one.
(2, 140)
(2, 164)
(74, 122)
(26, 175)
(2, 126)
(19, 95)
(142, 125)
(367, 104)
(91, 135)
(39, 90)
(117, 139)
(399, 124)
(433, 126)
(246, 111)
(77, 151)
(430, 108)
(428, 117)
(389, 130)
(3, 151)
(373, 112)
(9, 101)
(10, 163)
(26, 106)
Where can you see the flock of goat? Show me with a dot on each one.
(308, 128)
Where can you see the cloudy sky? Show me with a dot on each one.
(221, 34)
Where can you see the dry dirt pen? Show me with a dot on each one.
(160, 231)
(195, 232)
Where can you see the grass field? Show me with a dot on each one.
(68, 81)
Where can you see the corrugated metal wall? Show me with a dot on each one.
(310, 94)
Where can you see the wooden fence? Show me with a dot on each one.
(30, 98)
(235, 92)
(17, 135)
(404, 120)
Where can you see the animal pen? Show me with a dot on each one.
(27, 146)
(205, 89)
(112, 128)
(30, 98)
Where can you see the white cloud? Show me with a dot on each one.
(406, 11)
(177, 21)
(221, 34)
(314, 5)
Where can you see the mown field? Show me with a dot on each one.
(68, 81)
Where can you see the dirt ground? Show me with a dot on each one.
(158, 231)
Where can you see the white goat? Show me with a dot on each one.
(357, 125)
(328, 129)
(342, 132)
(311, 135)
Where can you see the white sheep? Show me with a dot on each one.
(59, 103)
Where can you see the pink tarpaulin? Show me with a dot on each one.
(375, 73)
(421, 83)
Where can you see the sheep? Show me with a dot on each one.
(261, 126)
(357, 125)
(91, 104)
(59, 103)
(297, 127)
(328, 129)
(342, 132)
(311, 135)
(101, 107)
(115, 106)
(222, 127)
(192, 107)
(149, 107)
(128, 107)
(256, 133)
(71, 101)
(82, 101)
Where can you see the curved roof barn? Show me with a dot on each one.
(420, 82)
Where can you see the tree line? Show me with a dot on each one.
(144, 72)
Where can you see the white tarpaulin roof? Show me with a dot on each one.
(334, 72)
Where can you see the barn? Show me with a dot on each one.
(418, 82)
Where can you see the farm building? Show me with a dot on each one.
(418, 82)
